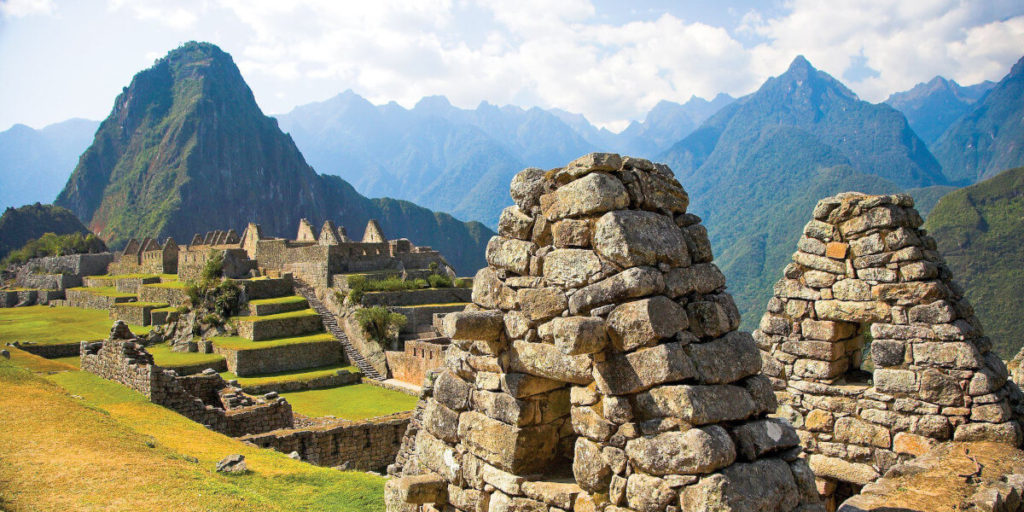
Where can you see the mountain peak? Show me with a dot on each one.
(437, 103)
(800, 64)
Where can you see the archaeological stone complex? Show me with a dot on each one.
(599, 366)
(873, 351)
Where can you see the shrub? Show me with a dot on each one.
(213, 293)
(54, 245)
(380, 323)
(463, 282)
(439, 281)
(359, 285)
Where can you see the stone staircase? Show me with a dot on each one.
(331, 324)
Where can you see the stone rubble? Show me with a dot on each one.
(600, 344)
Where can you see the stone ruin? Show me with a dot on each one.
(872, 349)
(599, 366)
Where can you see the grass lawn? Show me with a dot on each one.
(52, 326)
(293, 299)
(355, 402)
(73, 441)
(75, 361)
(167, 284)
(277, 316)
(104, 291)
(164, 356)
(240, 343)
(292, 376)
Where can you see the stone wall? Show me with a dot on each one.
(161, 294)
(125, 361)
(77, 264)
(263, 328)
(132, 284)
(368, 445)
(267, 288)
(412, 364)
(135, 313)
(48, 281)
(601, 339)
(83, 298)
(341, 378)
(284, 358)
(864, 269)
(49, 351)
(414, 297)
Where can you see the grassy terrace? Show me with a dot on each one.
(167, 284)
(239, 343)
(104, 291)
(293, 299)
(164, 356)
(292, 376)
(278, 316)
(154, 305)
(53, 326)
(73, 441)
(355, 402)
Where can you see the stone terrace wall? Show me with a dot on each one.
(282, 358)
(602, 335)
(864, 267)
(418, 358)
(368, 445)
(128, 363)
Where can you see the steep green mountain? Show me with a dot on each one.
(456, 160)
(186, 149)
(756, 168)
(19, 225)
(35, 164)
(925, 198)
(979, 231)
(932, 107)
(990, 136)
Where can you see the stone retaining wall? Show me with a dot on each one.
(88, 300)
(165, 295)
(49, 281)
(368, 445)
(421, 318)
(133, 312)
(281, 359)
(274, 308)
(127, 362)
(132, 284)
(342, 378)
(50, 351)
(267, 288)
(259, 328)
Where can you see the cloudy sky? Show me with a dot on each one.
(608, 60)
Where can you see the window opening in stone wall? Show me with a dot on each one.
(858, 355)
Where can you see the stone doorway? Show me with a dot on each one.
(601, 339)
(864, 270)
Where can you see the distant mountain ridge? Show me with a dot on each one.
(36, 163)
(932, 107)
(20, 225)
(186, 149)
(989, 137)
(754, 169)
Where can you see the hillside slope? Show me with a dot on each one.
(932, 107)
(186, 149)
(989, 138)
(979, 231)
(19, 225)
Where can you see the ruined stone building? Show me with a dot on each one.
(600, 367)
(146, 257)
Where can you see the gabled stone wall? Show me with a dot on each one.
(602, 345)
(864, 270)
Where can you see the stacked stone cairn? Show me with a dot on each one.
(599, 366)
(864, 270)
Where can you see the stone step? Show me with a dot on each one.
(261, 307)
(331, 324)
(281, 325)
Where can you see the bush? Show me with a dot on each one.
(54, 245)
(213, 293)
(439, 281)
(463, 282)
(380, 323)
(359, 285)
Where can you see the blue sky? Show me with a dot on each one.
(611, 61)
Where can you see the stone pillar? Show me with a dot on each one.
(601, 346)
(865, 271)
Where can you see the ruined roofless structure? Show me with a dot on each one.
(864, 269)
(601, 347)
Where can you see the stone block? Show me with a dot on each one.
(726, 359)
(526, 188)
(571, 267)
(938, 388)
(815, 369)
(594, 193)
(854, 431)
(819, 263)
(540, 304)
(693, 452)
(886, 353)
(588, 422)
(755, 439)
(852, 311)
(960, 355)
(820, 350)
(469, 500)
(622, 374)
(571, 233)
(510, 254)
(544, 360)
(1008, 432)
(438, 457)
(556, 494)
(504, 407)
(911, 444)
(836, 250)
(895, 381)
(489, 292)
(711, 319)
(501, 502)
(851, 289)
(916, 292)
(818, 420)
(827, 330)
(473, 325)
(521, 385)
(643, 322)
(441, 421)
(452, 391)
(701, 278)
(636, 238)
(590, 468)
(646, 493)
(419, 489)
(698, 405)
(839, 469)
(767, 484)
(513, 449)
(938, 312)
(513, 223)
(575, 335)
(629, 284)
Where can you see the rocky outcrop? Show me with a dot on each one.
(601, 338)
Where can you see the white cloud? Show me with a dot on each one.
(22, 8)
(175, 15)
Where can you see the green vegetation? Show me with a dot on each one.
(164, 356)
(291, 376)
(979, 230)
(239, 343)
(20, 226)
(380, 323)
(213, 294)
(103, 291)
(54, 245)
(276, 316)
(358, 285)
(355, 402)
(54, 326)
(292, 299)
(169, 284)
(114, 431)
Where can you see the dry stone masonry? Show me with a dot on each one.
(599, 366)
(872, 350)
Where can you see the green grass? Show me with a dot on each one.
(104, 291)
(292, 376)
(293, 299)
(135, 276)
(290, 314)
(164, 356)
(53, 326)
(75, 361)
(239, 343)
(355, 402)
(63, 430)
(167, 284)
(154, 305)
